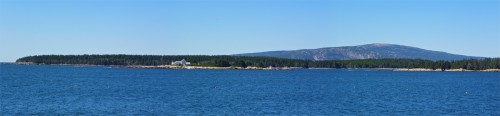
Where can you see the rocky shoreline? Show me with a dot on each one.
(168, 66)
(439, 70)
(206, 67)
(266, 68)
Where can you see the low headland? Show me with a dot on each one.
(260, 63)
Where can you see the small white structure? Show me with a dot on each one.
(182, 62)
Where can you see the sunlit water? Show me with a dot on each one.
(97, 90)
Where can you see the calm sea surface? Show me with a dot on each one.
(98, 90)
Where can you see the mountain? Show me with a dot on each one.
(368, 51)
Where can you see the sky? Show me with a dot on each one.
(224, 27)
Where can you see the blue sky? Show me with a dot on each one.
(222, 27)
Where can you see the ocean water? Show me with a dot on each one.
(99, 90)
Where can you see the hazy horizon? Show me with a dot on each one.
(225, 27)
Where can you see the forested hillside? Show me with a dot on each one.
(368, 51)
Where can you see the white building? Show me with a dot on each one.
(182, 62)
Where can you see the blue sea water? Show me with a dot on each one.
(99, 90)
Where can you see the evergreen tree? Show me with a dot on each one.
(222, 63)
(240, 63)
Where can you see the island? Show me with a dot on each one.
(259, 62)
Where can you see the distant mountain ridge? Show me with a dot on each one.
(367, 51)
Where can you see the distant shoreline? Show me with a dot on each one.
(260, 63)
(207, 67)
(420, 69)
(167, 66)
(261, 68)
(447, 70)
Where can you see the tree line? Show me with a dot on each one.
(244, 61)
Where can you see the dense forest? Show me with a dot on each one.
(196, 60)
(244, 61)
